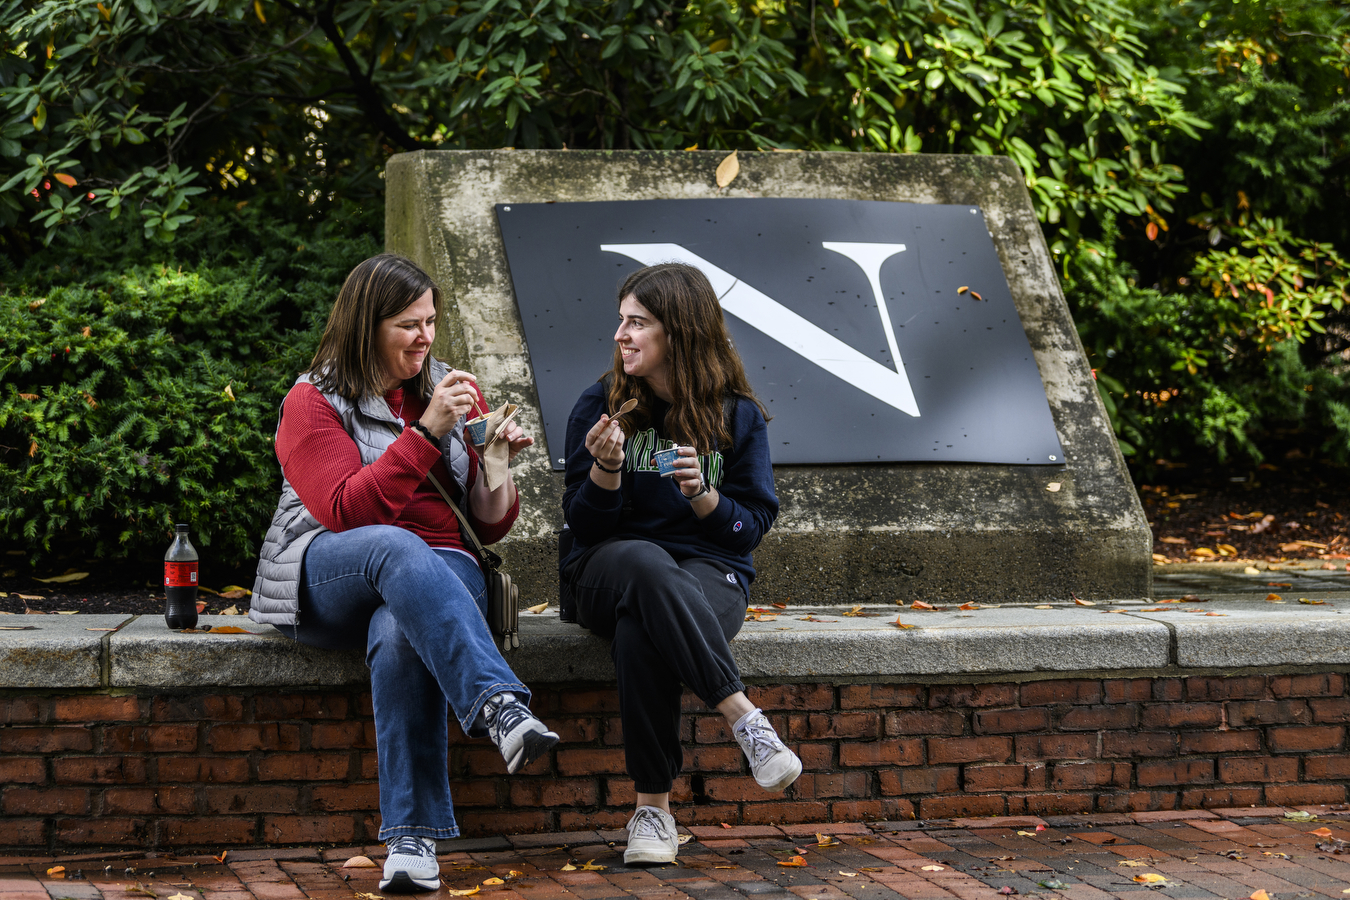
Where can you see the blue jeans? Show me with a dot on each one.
(419, 613)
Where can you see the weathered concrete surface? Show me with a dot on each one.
(147, 654)
(1257, 633)
(865, 532)
(58, 651)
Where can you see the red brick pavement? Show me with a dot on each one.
(1217, 855)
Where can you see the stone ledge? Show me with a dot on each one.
(81, 651)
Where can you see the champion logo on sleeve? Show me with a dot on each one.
(736, 527)
(731, 576)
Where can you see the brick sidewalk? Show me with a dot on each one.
(1227, 854)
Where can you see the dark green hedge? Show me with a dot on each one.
(139, 382)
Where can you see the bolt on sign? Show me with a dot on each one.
(873, 331)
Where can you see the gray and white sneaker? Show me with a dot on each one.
(651, 837)
(411, 865)
(516, 731)
(773, 764)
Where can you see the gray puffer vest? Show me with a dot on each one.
(276, 590)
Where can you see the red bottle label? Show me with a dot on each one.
(180, 574)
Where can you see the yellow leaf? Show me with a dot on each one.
(1273, 598)
(919, 604)
(1135, 863)
(898, 624)
(359, 862)
(848, 874)
(1043, 606)
(694, 147)
(64, 579)
(935, 868)
(67, 180)
(1251, 570)
(57, 872)
(454, 893)
(569, 868)
(231, 629)
(962, 289)
(361, 896)
(1150, 878)
(1260, 895)
(590, 866)
(1322, 832)
(1311, 602)
(1027, 833)
(230, 611)
(228, 389)
(104, 12)
(257, 10)
(1053, 487)
(826, 840)
(796, 862)
(1083, 602)
(179, 897)
(728, 169)
(494, 881)
(540, 608)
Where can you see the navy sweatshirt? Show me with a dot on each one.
(660, 513)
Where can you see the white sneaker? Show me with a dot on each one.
(651, 837)
(411, 865)
(773, 764)
(516, 731)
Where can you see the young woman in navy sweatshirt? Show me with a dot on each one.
(661, 565)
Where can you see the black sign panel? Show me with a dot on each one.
(849, 316)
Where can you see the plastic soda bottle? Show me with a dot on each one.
(180, 582)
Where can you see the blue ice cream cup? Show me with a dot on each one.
(476, 429)
(665, 461)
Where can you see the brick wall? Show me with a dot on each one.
(218, 770)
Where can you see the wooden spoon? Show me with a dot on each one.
(628, 406)
(502, 427)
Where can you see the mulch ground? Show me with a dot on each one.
(1197, 855)
(1298, 511)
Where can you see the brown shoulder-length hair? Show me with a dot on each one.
(379, 288)
(704, 366)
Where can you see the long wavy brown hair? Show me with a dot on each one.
(704, 366)
(378, 288)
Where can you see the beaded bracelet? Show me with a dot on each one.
(602, 468)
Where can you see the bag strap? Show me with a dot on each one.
(488, 560)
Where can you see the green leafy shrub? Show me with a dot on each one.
(140, 387)
(1222, 367)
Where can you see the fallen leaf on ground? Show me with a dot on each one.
(1283, 584)
(1007, 891)
(1251, 570)
(969, 606)
(235, 593)
(919, 604)
(63, 579)
(1274, 598)
(826, 840)
(1260, 895)
(141, 890)
(1215, 614)
(814, 619)
(571, 868)
(359, 862)
(848, 874)
(780, 606)
(454, 893)
(221, 858)
(1311, 602)
(494, 881)
(1133, 863)
(201, 606)
(857, 612)
(57, 872)
(898, 624)
(1277, 855)
(538, 609)
(35, 628)
(1055, 884)
(935, 868)
(361, 896)
(1027, 833)
(724, 824)
(230, 611)
(1299, 815)
(1150, 878)
(795, 862)
(1043, 606)
(1053, 486)
(683, 838)
(30, 596)
(231, 629)
(1079, 602)
(179, 897)
(1040, 827)
(590, 866)
(1321, 832)
(727, 170)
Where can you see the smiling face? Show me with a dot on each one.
(403, 341)
(642, 343)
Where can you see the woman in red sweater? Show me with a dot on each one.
(364, 551)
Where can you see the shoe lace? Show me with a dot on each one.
(647, 824)
(407, 844)
(761, 737)
(502, 718)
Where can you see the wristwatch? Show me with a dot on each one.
(702, 491)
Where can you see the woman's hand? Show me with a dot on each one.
(687, 475)
(515, 438)
(450, 399)
(605, 442)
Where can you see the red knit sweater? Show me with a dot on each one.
(323, 464)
